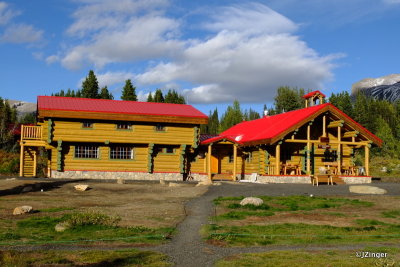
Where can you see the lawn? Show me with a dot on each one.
(304, 220)
(121, 258)
(315, 258)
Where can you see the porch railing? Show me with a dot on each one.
(31, 132)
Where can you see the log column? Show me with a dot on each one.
(367, 159)
(308, 164)
(324, 126)
(277, 158)
(234, 161)
(21, 161)
(339, 150)
(209, 161)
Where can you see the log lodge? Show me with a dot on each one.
(109, 139)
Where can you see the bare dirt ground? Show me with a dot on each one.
(151, 204)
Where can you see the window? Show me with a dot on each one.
(169, 150)
(87, 125)
(124, 126)
(330, 155)
(230, 159)
(87, 152)
(249, 157)
(160, 128)
(121, 152)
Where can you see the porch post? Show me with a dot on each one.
(34, 163)
(324, 126)
(277, 158)
(21, 161)
(308, 168)
(339, 152)
(367, 160)
(234, 161)
(209, 161)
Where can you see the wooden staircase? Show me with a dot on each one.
(223, 176)
(29, 166)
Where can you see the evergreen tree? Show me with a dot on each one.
(90, 86)
(231, 117)
(173, 97)
(105, 94)
(150, 98)
(78, 93)
(129, 91)
(390, 144)
(158, 96)
(288, 99)
(343, 102)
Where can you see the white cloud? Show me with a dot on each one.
(250, 18)
(52, 59)
(141, 39)
(110, 78)
(249, 52)
(21, 33)
(6, 14)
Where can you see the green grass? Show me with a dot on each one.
(56, 209)
(280, 204)
(391, 214)
(41, 230)
(301, 234)
(83, 258)
(312, 258)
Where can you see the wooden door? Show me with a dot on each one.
(214, 164)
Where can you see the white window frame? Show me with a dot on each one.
(87, 152)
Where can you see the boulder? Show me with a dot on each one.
(120, 181)
(252, 200)
(22, 210)
(162, 182)
(205, 182)
(217, 183)
(81, 187)
(367, 189)
(62, 226)
(27, 189)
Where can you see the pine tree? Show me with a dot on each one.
(90, 86)
(105, 94)
(158, 96)
(150, 98)
(173, 97)
(231, 117)
(288, 99)
(129, 91)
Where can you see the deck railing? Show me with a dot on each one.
(31, 132)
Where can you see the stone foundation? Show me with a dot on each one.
(124, 175)
(283, 179)
(357, 179)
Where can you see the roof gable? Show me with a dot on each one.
(270, 129)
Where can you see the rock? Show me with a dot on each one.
(10, 179)
(120, 181)
(162, 182)
(205, 182)
(62, 226)
(367, 189)
(384, 169)
(81, 187)
(171, 184)
(22, 210)
(217, 183)
(27, 189)
(252, 200)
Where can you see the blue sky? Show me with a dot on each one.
(211, 51)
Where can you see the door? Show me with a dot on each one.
(214, 164)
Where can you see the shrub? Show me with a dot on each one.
(93, 218)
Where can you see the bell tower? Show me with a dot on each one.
(313, 98)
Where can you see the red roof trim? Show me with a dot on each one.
(311, 94)
(219, 138)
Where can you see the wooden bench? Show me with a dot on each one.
(324, 178)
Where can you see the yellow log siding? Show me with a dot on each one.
(139, 163)
(166, 162)
(72, 131)
(198, 165)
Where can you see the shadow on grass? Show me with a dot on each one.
(37, 186)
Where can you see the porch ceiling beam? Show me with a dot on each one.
(331, 142)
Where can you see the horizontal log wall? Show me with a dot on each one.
(72, 131)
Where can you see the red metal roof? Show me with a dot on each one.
(266, 129)
(117, 106)
(311, 94)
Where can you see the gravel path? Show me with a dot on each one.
(187, 247)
